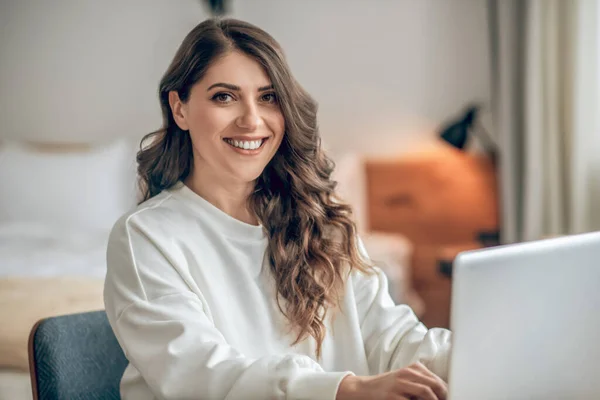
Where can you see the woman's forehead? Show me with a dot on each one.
(238, 69)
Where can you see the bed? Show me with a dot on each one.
(57, 205)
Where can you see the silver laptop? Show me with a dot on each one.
(526, 321)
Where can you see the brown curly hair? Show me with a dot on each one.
(312, 238)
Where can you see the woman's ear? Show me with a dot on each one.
(178, 110)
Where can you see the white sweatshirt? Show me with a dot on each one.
(191, 300)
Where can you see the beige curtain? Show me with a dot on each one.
(544, 56)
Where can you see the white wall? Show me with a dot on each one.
(385, 72)
(78, 70)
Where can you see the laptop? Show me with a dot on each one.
(526, 321)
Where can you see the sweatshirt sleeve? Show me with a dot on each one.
(393, 336)
(168, 335)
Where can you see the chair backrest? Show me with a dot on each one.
(75, 357)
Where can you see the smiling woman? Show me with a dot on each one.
(240, 274)
(232, 110)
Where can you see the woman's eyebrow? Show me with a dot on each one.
(262, 89)
(224, 85)
(235, 87)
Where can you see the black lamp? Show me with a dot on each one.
(457, 131)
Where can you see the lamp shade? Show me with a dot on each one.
(456, 132)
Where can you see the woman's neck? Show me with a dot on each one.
(229, 197)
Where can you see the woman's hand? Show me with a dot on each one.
(412, 382)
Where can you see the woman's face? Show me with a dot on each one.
(233, 118)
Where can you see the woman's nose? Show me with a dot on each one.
(249, 119)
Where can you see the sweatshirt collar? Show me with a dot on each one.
(231, 226)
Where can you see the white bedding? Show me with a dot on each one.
(36, 250)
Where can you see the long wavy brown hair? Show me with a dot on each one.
(312, 242)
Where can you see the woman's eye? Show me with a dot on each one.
(269, 98)
(222, 98)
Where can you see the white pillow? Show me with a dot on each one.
(84, 190)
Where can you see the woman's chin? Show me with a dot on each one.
(248, 174)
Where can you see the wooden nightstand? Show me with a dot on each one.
(441, 200)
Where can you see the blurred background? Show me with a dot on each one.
(454, 125)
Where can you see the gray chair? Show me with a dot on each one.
(75, 357)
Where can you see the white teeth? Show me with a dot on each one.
(245, 144)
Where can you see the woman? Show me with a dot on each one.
(240, 275)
